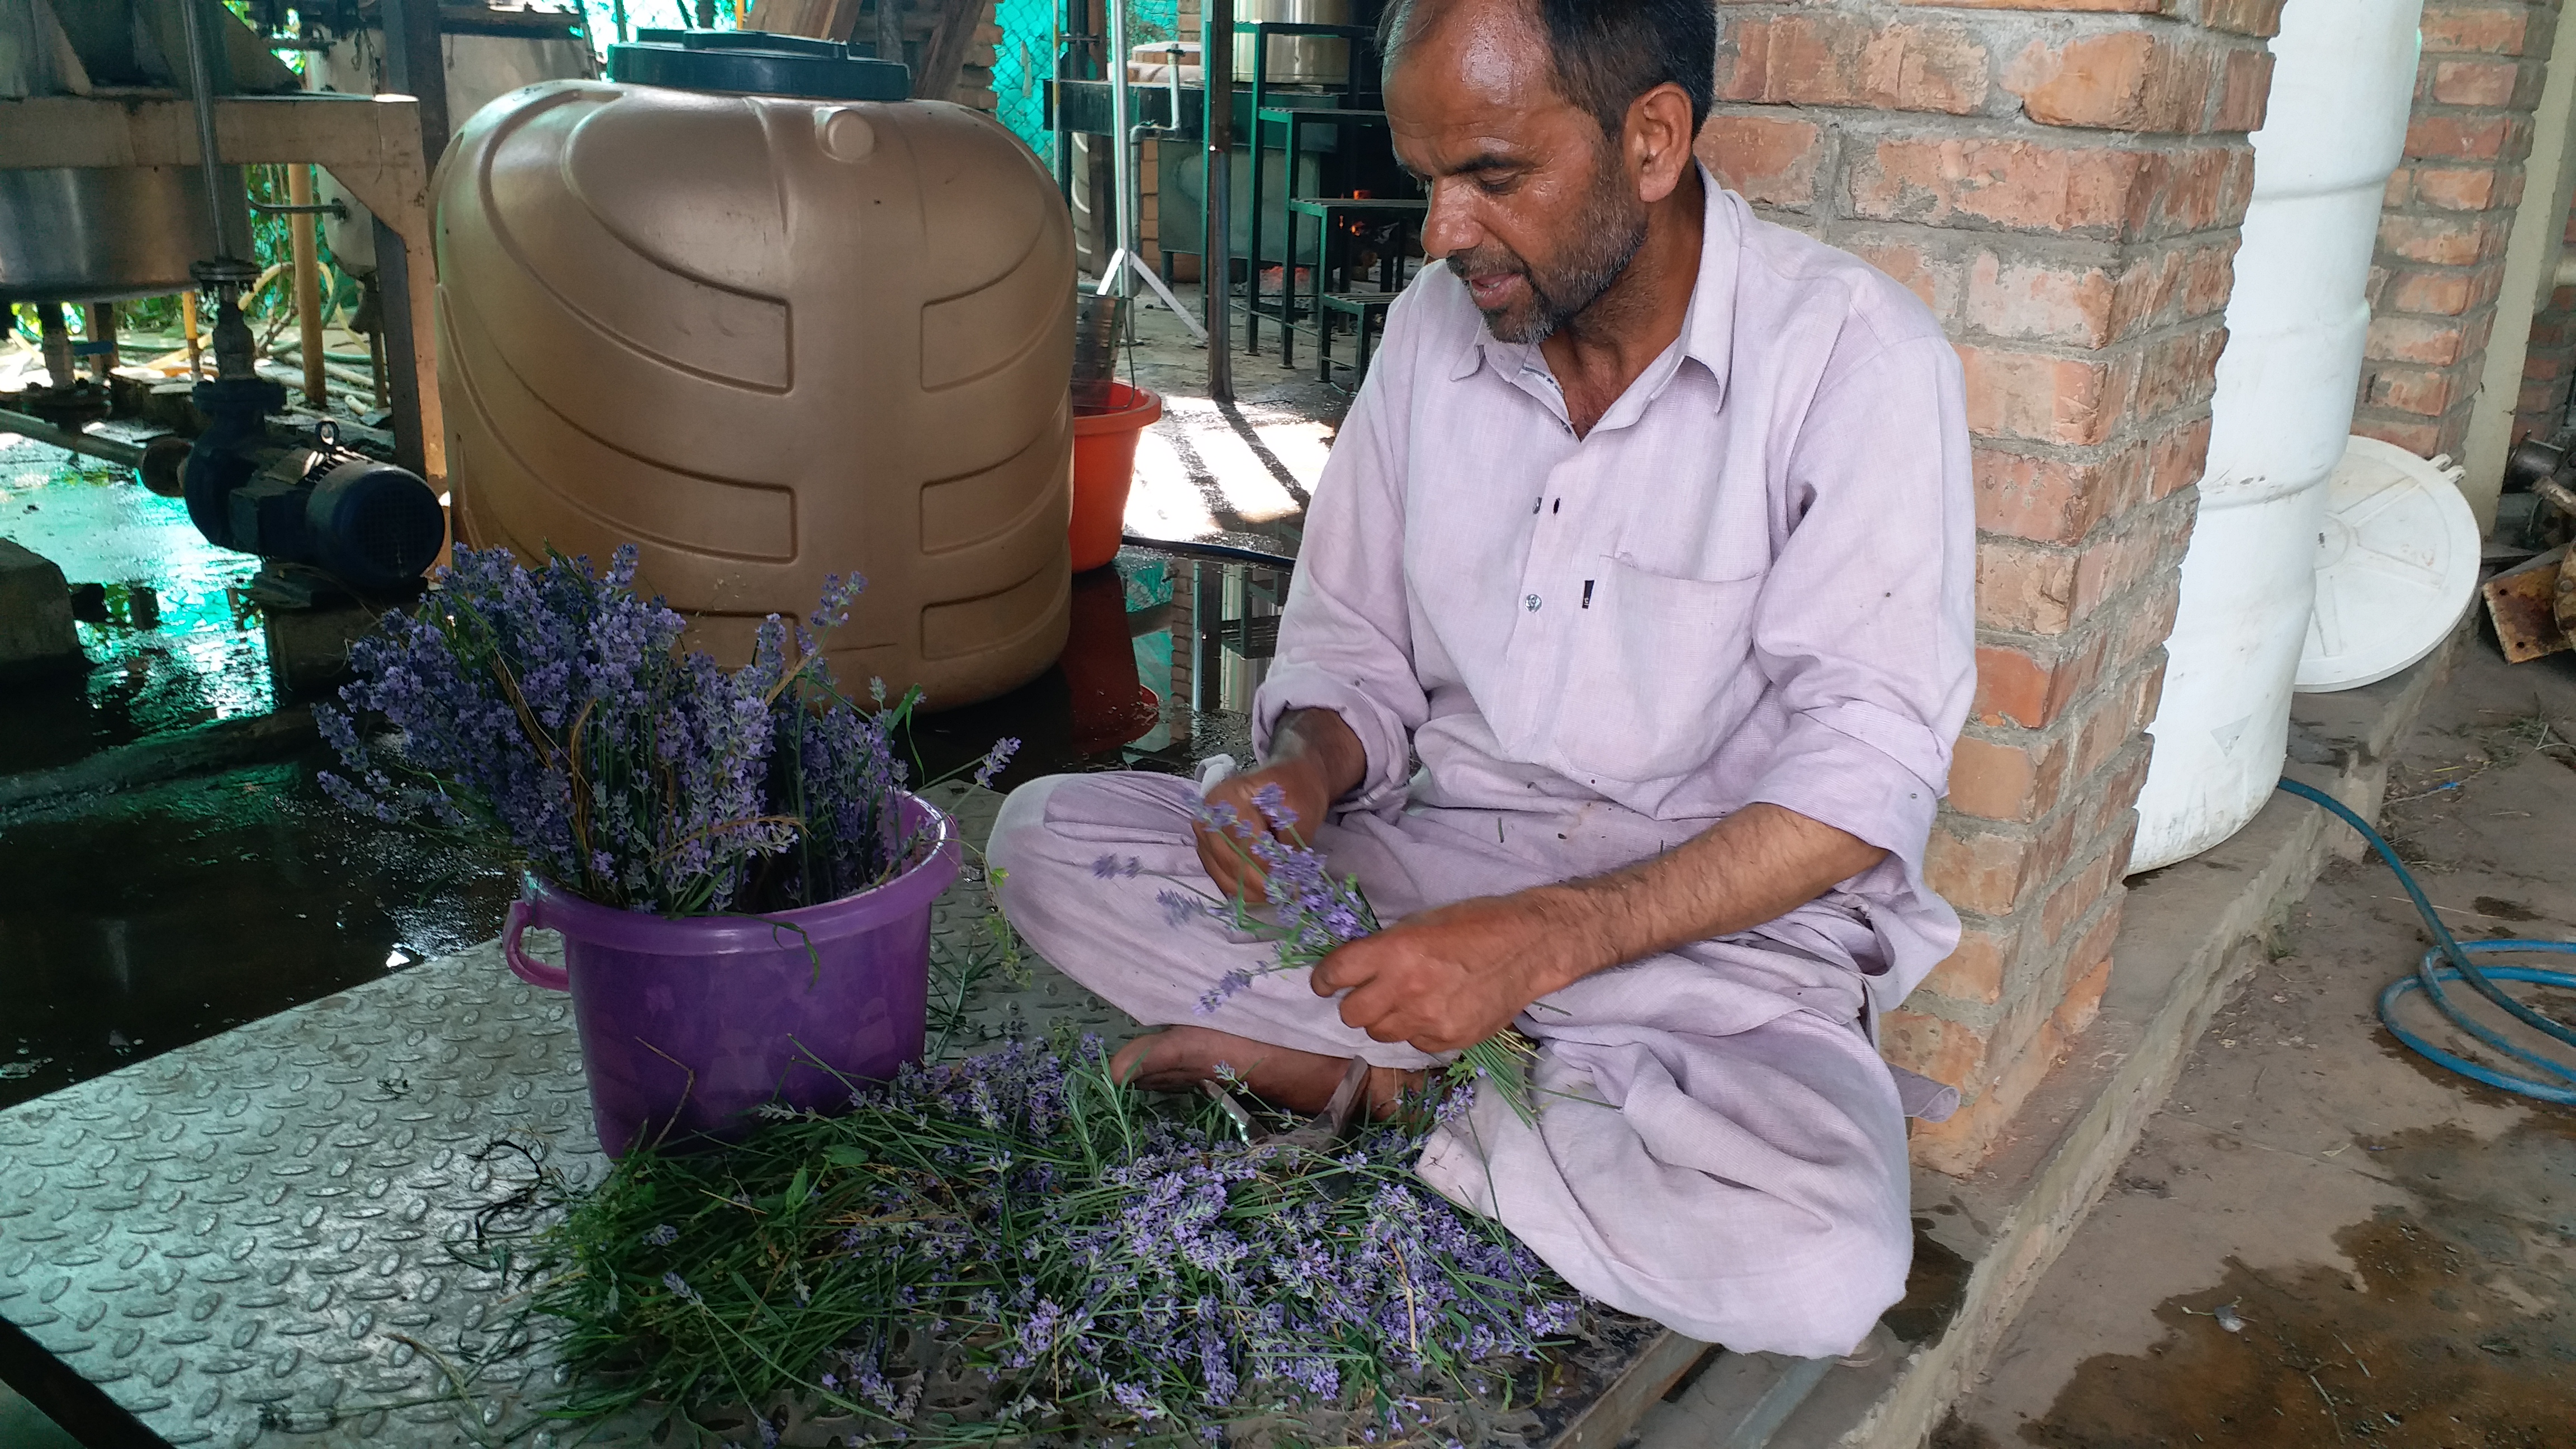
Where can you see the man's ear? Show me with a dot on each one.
(1657, 141)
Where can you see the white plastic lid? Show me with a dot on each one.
(2397, 562)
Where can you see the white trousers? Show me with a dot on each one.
(1719, 1148)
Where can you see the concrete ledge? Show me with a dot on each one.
(217, 746)
(2187, 936)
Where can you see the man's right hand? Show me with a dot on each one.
(1315, 760)
(1228, 854)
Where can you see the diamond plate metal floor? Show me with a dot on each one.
(269, 1237)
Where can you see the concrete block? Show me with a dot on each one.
(308, 649)
(36, 633)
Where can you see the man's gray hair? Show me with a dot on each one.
(1606, 53)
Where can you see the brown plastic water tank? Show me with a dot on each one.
(769, 339)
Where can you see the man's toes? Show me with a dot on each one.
(1129, 1066)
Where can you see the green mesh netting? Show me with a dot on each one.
(1022, 58)
(1020, 67)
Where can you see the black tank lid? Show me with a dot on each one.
(757, 63)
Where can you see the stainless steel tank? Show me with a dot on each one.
(1321, 60)
(106, 233)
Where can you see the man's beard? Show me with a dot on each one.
(1607, 237)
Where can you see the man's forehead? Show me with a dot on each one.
(1492, 51)
(1473, 81)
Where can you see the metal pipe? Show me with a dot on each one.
(102, 338)
(57, 344)
(201, 88)
(1220, 552)
(332, 208)
(1121, 153)
(308, 283)
(416, 66)
(188, 329)
(123, 454)
(1216, 270)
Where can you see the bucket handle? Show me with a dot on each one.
(527, 968)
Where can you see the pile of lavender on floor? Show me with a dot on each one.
(1010, 1245)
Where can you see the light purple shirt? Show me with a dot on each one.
(1752, 581)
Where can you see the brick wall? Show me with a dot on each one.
(2062, 182)
(2551, 363)
(2449, 211)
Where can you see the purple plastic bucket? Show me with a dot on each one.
(687, 1024)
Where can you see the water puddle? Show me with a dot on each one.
(134, 923)
(2457, 1327)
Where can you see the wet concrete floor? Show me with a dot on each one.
(1239, 472)
(175, 643)
(2323, 1239)
(139, 921)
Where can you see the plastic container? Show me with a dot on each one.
(769, 339)
(1099, 327)
(1104, 467)
(1111, 705)
(2343, 74)
(689, 1023)
(2397, 563)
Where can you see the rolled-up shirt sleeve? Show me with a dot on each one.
(1345, 641)
(1866, 621)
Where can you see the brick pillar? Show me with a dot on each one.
(2551, 362)
(2450, 209)
(2062, 182)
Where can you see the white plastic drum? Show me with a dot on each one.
(2344, 71)
(2397, 562)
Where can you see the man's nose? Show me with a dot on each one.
(1449, 226)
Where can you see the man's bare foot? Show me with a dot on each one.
(1178, 1058)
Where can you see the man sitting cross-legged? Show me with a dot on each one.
(1649, 536)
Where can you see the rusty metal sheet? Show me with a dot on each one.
(2523, 602)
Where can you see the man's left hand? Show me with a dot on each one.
(1445, 978)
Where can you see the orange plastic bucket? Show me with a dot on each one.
(1104, 464)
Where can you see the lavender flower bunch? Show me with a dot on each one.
(1311, 914)
(552, 714)
(1018, 1229)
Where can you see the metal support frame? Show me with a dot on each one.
(1292, 120)
(1124, 263)
(370, 144)
(416, 66)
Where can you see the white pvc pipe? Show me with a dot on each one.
(2343, 76)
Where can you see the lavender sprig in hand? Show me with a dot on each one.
(1311, 914)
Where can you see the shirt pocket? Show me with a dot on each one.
(1661, 673)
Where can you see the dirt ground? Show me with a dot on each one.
(2323, 1239)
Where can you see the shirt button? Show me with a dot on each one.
(1530, 603)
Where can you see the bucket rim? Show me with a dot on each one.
(1137, 407)
(909, 892)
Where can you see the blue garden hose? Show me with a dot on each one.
(2560, 1084)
